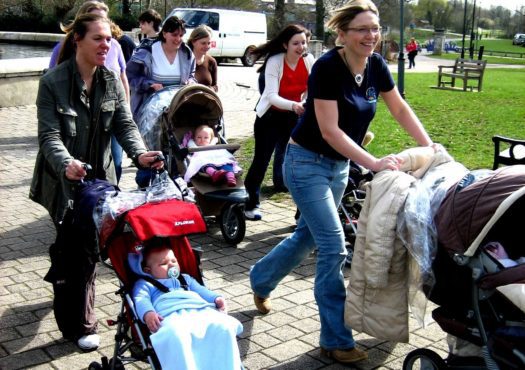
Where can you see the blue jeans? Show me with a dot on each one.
(116, 153)
(271, 130)
(316, 184)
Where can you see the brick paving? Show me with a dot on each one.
(287, 338)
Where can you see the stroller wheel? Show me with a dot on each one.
(350, 255)
(116, 364)
(95, 366)
(233, 224)
(424, 359)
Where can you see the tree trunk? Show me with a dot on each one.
(126, 8)
(279, 15)
(319, 19)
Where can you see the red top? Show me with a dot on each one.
(411, 46)
(294, 82)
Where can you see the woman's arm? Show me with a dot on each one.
(136, 72)
(406, 117)
(125, 84)
(213, 71)
(49, 129)
(328, 117)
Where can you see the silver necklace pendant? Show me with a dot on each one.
(358, 79)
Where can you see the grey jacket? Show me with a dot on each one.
(140, 74)
(72, 126)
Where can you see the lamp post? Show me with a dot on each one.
(472, 35)
(401, 56)
(464, 31)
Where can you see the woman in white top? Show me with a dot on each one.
(286, 69)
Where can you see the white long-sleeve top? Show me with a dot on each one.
(272, 75)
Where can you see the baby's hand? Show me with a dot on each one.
(220, 303)
(152, 320)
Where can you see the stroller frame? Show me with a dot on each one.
(223, 204)
(487, 318)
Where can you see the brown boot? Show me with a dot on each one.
(346, 356)
(264, 305)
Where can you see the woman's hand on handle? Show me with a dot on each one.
(390, 162)
(153, 159)
(75, 170)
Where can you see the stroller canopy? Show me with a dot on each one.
(467, 215)
(194, 105)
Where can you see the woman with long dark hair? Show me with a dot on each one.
(286, 69)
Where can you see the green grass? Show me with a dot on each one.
(464, 122)
(490, 59)
(503, 49)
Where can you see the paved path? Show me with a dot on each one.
(287, 338)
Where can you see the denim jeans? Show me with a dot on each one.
(272, 129)
(116, 153)
(316, 184)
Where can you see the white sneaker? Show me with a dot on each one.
(253, 214)
(89, 342)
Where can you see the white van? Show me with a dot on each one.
(235, 33)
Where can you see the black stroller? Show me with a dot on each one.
(351, 204)
(480, 293)
(168, 115)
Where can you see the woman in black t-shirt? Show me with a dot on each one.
(343, 88)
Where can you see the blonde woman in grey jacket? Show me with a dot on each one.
(286, 70)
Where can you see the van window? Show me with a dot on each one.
(194, 18)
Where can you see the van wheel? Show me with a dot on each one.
(248, 59)
(233, 224)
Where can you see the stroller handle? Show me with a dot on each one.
(229, 147)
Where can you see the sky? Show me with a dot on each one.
(510, 4)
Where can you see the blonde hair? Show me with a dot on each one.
(86, 8)
(341, 17)
(198, 33)
(205, 127)
(91, 5)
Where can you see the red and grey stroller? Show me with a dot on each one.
(125, 234)
(479, 289)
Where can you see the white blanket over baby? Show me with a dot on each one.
(193, 338)
(217, 157)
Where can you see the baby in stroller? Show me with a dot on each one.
(188, 321)
(219, 164)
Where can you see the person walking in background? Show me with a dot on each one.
(69, 135)
(149, 22)
(206, 65)
(343, 89)
(126, 43)
(286, 69)
(115, 61)
(412, 49)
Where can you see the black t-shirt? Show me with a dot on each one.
(330, 79)
(128, 46)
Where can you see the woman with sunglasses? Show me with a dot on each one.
(342, 95)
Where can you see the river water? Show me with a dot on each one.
(17, 51)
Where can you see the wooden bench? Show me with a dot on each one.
(465, 70)
(513, 154)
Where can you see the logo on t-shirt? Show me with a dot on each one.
(371, 95)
